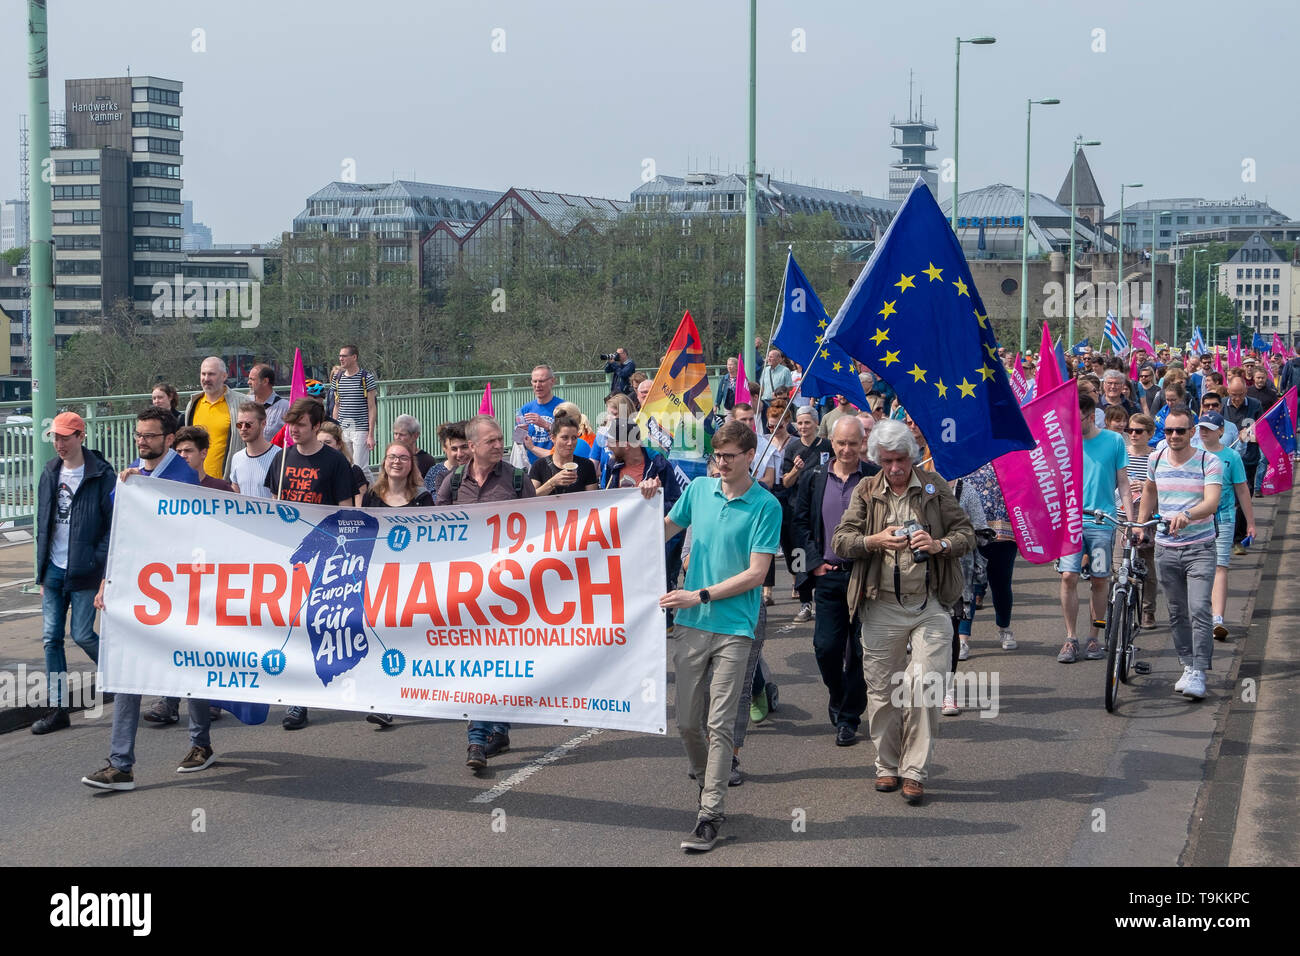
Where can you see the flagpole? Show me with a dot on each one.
(780, 297)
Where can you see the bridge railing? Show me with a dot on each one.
(110, 420)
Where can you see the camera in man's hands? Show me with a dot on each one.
(609, 357)
(906, 531)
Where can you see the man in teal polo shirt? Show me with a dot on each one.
(736, 526)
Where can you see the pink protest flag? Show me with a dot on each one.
(485, 406)
(1049, 372)
(1218, 360)
(1018, 384)
(743, 394)
(1278, 348)
(1043, 486)
(1133, 365)
(1234, 351)
(1139, 339)
(297, 390)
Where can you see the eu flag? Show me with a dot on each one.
(801, 336)
(915, 318)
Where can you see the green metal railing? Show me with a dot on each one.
(110, 421)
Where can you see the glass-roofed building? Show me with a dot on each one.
(713, 194)
(990, 224)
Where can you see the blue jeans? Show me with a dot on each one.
(126, 720)
(479, 730)
(55, 603)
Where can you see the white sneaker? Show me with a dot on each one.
(1008, 640)
(963, 651)
(1195, 688)
(1181, 684)
(950, 708)
(805, 614)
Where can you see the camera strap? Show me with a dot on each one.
(898, 582)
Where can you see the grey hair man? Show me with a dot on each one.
(905, 533)
(216, 408)
(406, 432)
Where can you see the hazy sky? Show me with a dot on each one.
(1179, 93)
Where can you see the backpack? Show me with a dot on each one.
(332, 392)
(458, 476)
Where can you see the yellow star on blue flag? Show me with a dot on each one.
(967, 424)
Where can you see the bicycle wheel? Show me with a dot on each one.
(1116, 623)
(1129, 629)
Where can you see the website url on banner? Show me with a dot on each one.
(612, 704)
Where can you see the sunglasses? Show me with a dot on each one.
(1177, 431)
(1136, 431)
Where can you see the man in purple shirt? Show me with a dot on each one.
(819, 502)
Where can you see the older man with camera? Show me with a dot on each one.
(905, 532)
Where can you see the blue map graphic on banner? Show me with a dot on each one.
(337, 552)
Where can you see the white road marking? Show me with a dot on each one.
(24, 610)
(523, 773)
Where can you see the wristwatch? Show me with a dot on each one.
(704, 596)
(944, 545)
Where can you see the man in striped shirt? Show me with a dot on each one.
(355, 390)
(1185, 483)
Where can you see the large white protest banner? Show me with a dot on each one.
(541, 610)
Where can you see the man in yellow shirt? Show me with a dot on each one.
(216, 409)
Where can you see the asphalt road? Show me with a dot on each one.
(1051, 779)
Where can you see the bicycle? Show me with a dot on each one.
(1123, 608)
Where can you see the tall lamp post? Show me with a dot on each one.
(1122, 186)
(1209, 277)
(1079, 142)
(956, 116)
(1192, 311)
(1024, 237)
(1155, 244)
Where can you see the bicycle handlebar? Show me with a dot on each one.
(1102, 517)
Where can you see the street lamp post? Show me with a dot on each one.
(1209, 271)
(1155, 242)
(956, 116)
(1120, 283)
(1195, 253)
(1024, 235)
(1079, 141)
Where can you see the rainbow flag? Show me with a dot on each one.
(680, 394)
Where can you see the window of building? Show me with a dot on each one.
(1238, 273)
(155, 194)
(1181, 221)
(1277, 273)
(87, 191)
(155, 120)
(1251, 220)
(395, 254)
(76, 267)
(354, 230)
(1234, 220)
(74, 242)
(76, 167)
(162, 220)
(147, 94)
(155, 144)
(1215, 220)
(156, 170)
(76, 217)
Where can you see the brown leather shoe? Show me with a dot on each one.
(913, 792)
(886, 784)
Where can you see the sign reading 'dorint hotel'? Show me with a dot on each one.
(103, 110)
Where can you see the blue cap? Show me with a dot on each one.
(1211, 420)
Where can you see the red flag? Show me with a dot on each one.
(1049, 372)
(485, 406)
